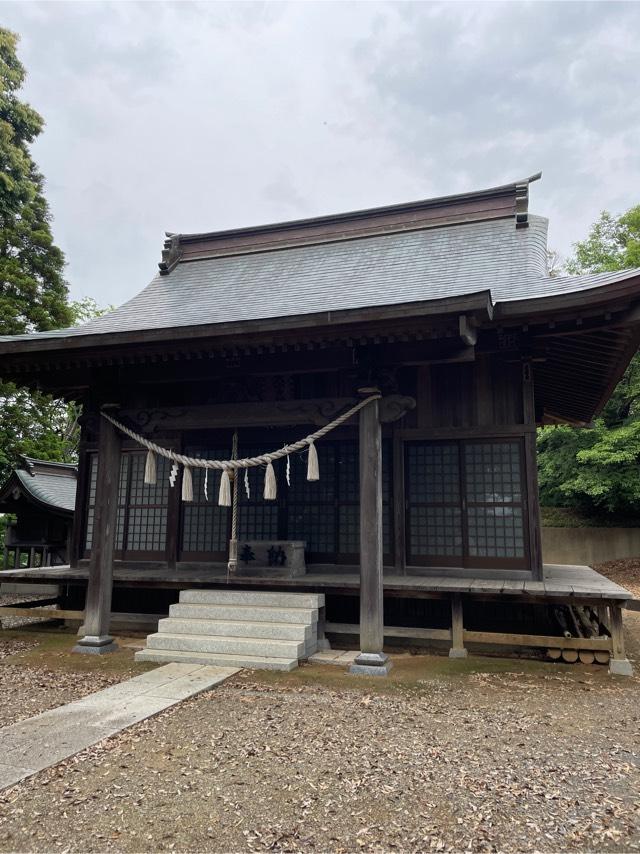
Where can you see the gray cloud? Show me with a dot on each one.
(192, 117)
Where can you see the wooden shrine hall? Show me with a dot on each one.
(417, 516)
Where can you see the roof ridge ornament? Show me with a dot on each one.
(522, 200)
(171, 253)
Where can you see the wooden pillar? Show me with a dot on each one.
(619, 664)
(97, 639)
(457, 628)
(79, 524)
(371, 661)
(398, 496)
(531, 473)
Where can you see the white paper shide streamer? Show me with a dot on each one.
(150, 472)
(270, 486)
(313, 469)
(224, 495)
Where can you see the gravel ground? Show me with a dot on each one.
(461, 759)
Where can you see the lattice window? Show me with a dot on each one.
(493, 485)
(493, 472)
(141, 523)
(465, 503)
(147, 516)
(434, 474)
(257, 518)
(436, 531)
(204, 523)
(122, 494)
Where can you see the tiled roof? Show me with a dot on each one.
(56, 490)
(383, 270)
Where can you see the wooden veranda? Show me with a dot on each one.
(561, 585)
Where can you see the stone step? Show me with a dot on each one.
(257, 662)
(252, 597)
(301, 632)
(250, 613)
(231, 645)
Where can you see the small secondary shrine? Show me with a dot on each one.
(345, 404)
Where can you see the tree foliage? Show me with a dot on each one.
(34, 294)
(612, 244)
(597, 469)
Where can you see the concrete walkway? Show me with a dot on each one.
(37, 743)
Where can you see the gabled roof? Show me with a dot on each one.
(421, 253)
(425, 269)
(48, 485)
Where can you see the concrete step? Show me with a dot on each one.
(301, 633)
(257, 662)
(252, 597)
(231, 645)
(250, 613)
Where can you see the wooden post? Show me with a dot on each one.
(371, 661)
(97, 639)
(78, 526)
(531, 473)
(619, 664)
(399, 540)
(457, 628)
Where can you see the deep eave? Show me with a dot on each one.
(479, 304)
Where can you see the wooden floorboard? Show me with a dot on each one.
(559, 582)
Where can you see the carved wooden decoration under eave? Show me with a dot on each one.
(259, 414)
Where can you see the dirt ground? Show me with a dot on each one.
(625, 572)
(487, 754)
(38, 673)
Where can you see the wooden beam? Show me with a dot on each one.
(498, 638)
(504, 638)
(392, 631)
(317, 411)
(468, 332)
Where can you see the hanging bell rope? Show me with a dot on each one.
(246, 463)
(232, 563)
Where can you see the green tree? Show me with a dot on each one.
(37, 424)
(612, 244)
(597, 469)
(34, 294)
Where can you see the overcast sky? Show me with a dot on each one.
(196, 117)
